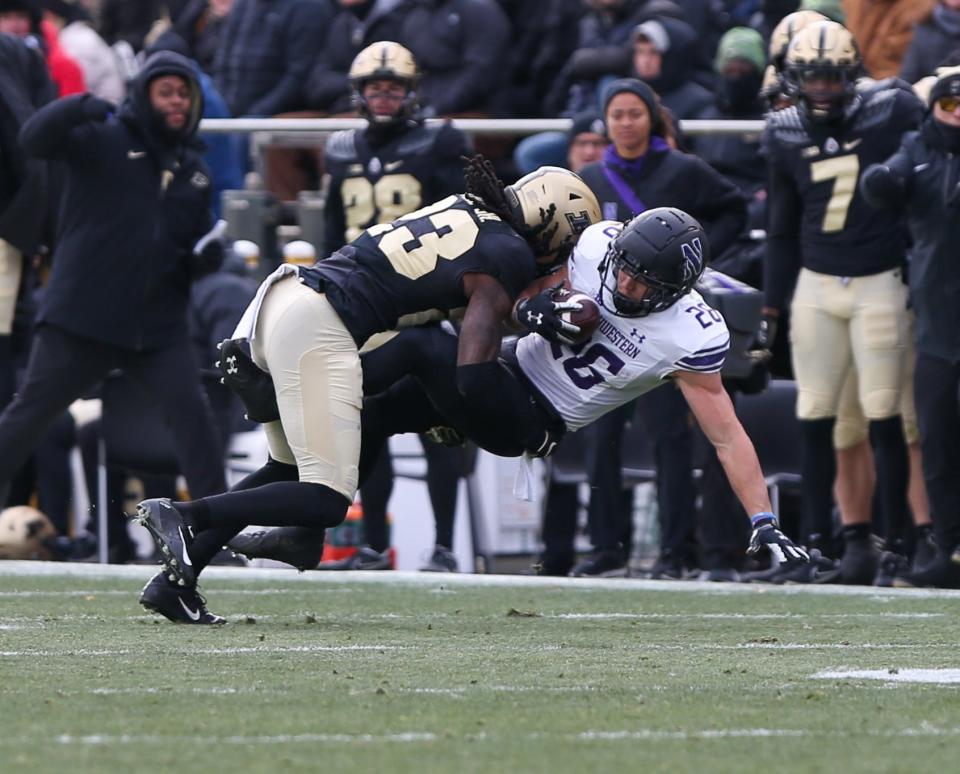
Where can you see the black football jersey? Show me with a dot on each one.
(817, 217)
(394, 272)
(377, 182)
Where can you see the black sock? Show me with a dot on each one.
(893, 473)
(374, 496)
(280, 504)
(853, 533)
(818, 470)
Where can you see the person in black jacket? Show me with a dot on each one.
(24, 87)
(933, 41)
(921, 178)
(640, 171)
(134, 203)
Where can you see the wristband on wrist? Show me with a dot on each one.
(764, 517)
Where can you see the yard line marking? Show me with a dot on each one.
(745, 616)
(935, 676)
(448, 581)
(206, 651)
(107, 739)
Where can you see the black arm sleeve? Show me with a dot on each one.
(781, 263)
(334, 220)
(45, 133)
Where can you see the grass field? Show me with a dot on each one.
(395, 672)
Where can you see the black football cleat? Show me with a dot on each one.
(297, 546)
(180, 605)
(171, 535)
(601, 564)
(860, 562)
(441, 560)
(365, 558)
(943, 572)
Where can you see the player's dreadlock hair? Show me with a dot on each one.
(488, 190)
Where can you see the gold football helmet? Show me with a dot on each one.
(387, 61)
(784, 32)
(821, 66)
(25, 533)
(556, 206)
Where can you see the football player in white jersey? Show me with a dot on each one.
(654, 327)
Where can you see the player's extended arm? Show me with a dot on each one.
(714, 411)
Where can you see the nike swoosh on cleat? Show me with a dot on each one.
(194, 614)
(183, 542)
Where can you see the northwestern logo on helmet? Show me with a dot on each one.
(693, 257)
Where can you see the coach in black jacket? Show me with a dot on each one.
(923, 179)
(135, 201)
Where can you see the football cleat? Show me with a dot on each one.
(602, 564)
(180, 605)
(441, 560)
(297, 546)
(365, 558)
(172, 535)
(860, 562)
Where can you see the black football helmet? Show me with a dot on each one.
(665, 249)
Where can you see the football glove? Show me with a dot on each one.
(541, 314)
(767, 535)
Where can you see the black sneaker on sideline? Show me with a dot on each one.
(442, 560)
(364, 559)
(301, 547)
(668, 567)
(891, 566)
(860, 561)
(171, 535)
(602, 564)
(180, 605)
(943, 572)
(925, 550)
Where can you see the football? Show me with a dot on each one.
(587, 317)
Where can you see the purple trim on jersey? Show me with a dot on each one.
(710, 359)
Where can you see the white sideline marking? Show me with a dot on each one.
(924, 730)
(115, 691)
(936, 676)
(444, 581)
(750, 616)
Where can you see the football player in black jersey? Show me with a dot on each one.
(377, 174)
(397, 163)
(476, 250)
(838, 264)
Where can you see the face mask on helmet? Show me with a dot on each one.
(822, 65)
(654, 261)
(555, 206)
(392, 69)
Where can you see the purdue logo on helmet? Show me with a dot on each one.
(664, 250)
(555, 206)
(785, 31)
(386, 61)
(822, 65)
(24, 534)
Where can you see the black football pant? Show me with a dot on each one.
(935, 384)
(63, 367)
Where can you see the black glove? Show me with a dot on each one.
(762, 347)
(541, 314)
(544, 443)
(767, 535)
(96, 109)
(209, 259)
(883, 186)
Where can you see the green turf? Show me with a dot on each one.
(442, 677)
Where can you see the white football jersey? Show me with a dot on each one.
(626, 356)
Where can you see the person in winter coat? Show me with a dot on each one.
(133, 206)
(883, 29)
(933, 41)
(921, 178)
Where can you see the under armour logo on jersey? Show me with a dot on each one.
(200, 180)
(536, 319)
(232, 365)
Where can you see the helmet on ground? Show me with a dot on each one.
(821, 67)
(387, 61)
(555, 206)
(663, 249)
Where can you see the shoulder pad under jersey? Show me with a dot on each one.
(885, 103)
(342, 146)
(786, 127)
(419, 140)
